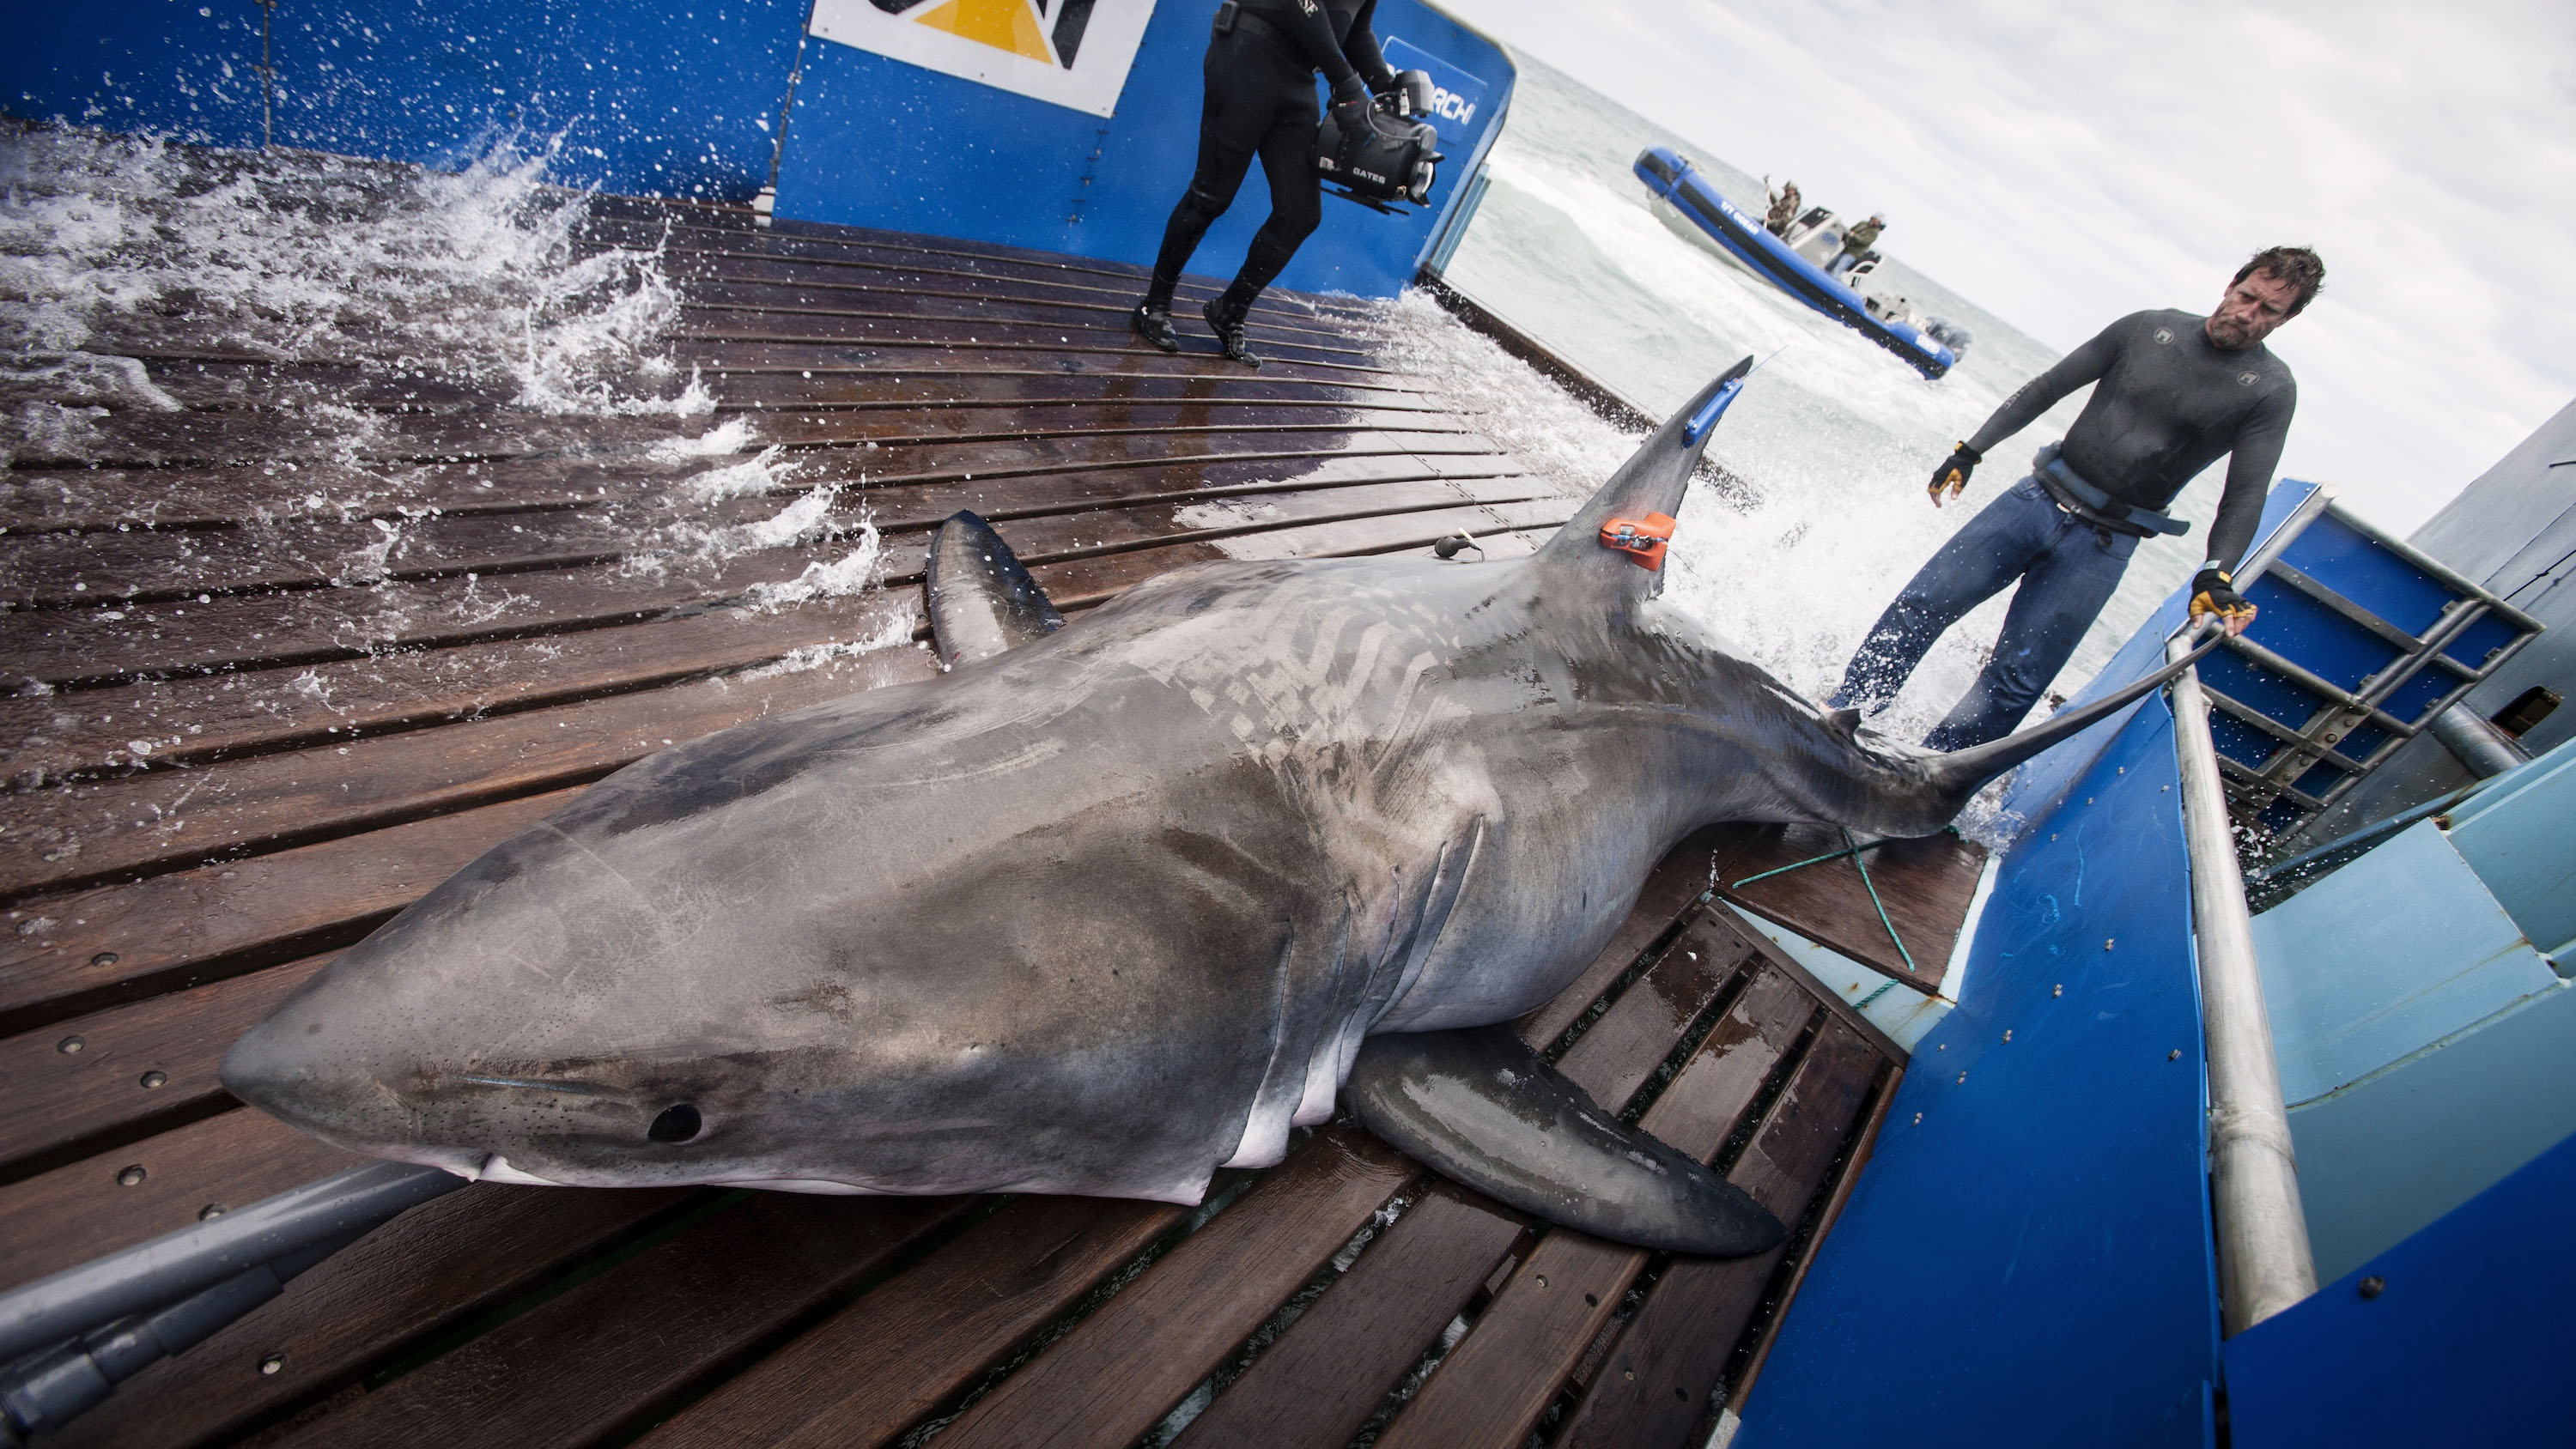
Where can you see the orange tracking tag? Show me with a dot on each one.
(1642, 542)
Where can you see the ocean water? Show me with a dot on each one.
(1837, 435)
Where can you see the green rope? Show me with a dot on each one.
(1853, 850)
(1881, 905)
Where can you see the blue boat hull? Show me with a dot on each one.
(1672, 177)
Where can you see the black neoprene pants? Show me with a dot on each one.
(1260, 101)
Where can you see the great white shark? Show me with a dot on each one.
(1113, 905)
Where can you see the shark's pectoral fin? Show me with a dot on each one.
(981, 601)
(1480, 1107)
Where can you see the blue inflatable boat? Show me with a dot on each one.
(1741, 235)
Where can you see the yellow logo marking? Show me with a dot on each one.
(1002, 24)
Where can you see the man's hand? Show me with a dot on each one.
(1351, 111)
(2213, 593)
(1953, 472)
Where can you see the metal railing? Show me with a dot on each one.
(2264, 1262)
(2299, 747)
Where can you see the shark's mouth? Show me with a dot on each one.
(497, 1168)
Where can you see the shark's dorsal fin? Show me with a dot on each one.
(1479, 1107)
(1652, 481)
(1844, 722)
(981, 601)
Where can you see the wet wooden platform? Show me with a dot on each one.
(285, 657)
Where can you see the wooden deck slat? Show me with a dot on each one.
(199, 719)
(1503, 1375)
(869, 1372)
(605, 1355)
(824, 316)
(169, 567)
(213, 500)
(61, 1099)
(65, 646)
(1318, 1385)
(223, 437)
(117, 943)
(1678, 879)
(1124, 1367)
(717, 359)
(731, 277)
(852, 345)
(247, 632)
(463, 1255)
(267, 802)
(1654, 1388)
(143, 806)
(66, 1217)
(921, 256)
(938, 312)
(1647, 1019)
(1926, 886)
(1454, 1247)
(237, 387)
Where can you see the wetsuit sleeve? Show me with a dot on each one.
(2249, 476)
(1313, 26)
(1360, 47)
(2085, 364)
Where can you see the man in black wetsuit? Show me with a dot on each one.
(2174, 391)
(1260, 75)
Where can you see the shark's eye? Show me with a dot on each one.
(676, 1124)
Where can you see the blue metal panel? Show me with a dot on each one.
(138, 65)
(2521, 840)
(2392, 953)
(877, 142)
(2479, 640)
(2333, 647)
(2366, 572)
(2035, 1209)
(654, 99)
(2465, 1344)
(664, 100)
(2396, 1150)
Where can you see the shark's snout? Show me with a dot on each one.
(297, 1067)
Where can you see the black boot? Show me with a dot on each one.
(1229, 331)
(1154, 324)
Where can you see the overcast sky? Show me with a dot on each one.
(2065, 164)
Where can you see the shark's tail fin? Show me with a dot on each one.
(1652, 481)
(1956, 777)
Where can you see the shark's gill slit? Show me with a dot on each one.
(678, 1123)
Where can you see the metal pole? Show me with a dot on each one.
(2264, 1264)
(150, 1276)
(2484, 749)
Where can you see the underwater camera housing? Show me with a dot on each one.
(1396, 161)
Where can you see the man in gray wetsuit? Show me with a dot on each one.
(2174, 391)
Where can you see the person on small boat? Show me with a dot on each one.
(1785, 204)
(1259, 71)
(2172, 392)
(1856, 245)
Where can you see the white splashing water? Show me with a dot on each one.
(1794, 596)
(484, 279)
(852, 573)
(474, 274)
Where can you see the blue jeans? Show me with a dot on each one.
(2067, 569)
